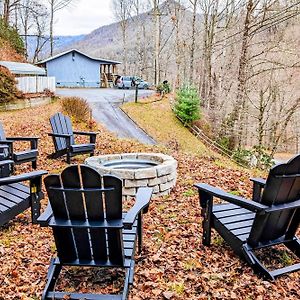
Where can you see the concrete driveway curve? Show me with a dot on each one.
(105, 108)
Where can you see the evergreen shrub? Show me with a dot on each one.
(187, 104)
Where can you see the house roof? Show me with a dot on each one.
(84, 54)
(18, 68)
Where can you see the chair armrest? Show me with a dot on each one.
(285, 206)
(6, 162)
(143, 197)
(25, 138)
(258, 185)
(22, 177)
(33, 140)
(245, 203)
(5, 142)
(85, 133)
(259, 181)
(63, 135)
(45, 217)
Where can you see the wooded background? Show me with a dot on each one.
(241, 55)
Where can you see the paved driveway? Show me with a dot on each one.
(105, 106)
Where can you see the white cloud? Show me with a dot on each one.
(84, 17)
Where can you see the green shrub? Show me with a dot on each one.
(11, 35)
(163, 88)
(224, 142)
(76, 108)
(187, 104)
(8, 89)
(242, 156)
(264, 160)
(255, 157)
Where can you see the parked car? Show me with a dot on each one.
(127, 82)
(144, 84)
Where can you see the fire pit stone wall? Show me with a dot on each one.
(161, 176)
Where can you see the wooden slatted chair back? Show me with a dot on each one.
(80, 195)
(61, 124)
(282, 186)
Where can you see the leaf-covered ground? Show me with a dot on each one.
(174, 263)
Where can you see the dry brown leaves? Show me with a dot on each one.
(174, 263)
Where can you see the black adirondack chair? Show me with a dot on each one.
(16, 197)
(89, 227)
(64, 141)
(272, 216)
(29, 155)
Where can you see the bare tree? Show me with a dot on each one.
(122, 11)
(8, 7)
(194, 4)
(41, 20)
(56, 5)
(179, 41)
(157, 16)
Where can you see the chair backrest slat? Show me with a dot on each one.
(114, 212)
(95, 211)
(64, 238)
(100, 244)
(279, 189)
(61, 124)
(75, 205)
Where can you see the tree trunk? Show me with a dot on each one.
(157, 43)
(51, 26)
(236, 118)
(191, 77)
(6, 11)
(125, 58)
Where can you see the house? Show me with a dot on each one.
(30, 78)
(74, 68)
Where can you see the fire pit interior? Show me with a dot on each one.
(129, 164)
(155, 170)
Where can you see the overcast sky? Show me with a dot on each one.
(86, 16)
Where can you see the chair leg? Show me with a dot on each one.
(34, 164)
(68, 158)
(127, 282)
(52, 277)
(206, 203)
(140, 232)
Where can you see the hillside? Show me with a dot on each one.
(60, 42)
(7, 52)
(11, 45)
(174, 263)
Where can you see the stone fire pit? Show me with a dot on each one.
(155, 170)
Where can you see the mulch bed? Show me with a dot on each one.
(173, 265)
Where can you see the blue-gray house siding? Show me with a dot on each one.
(74, 70)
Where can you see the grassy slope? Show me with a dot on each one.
(157, 119)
